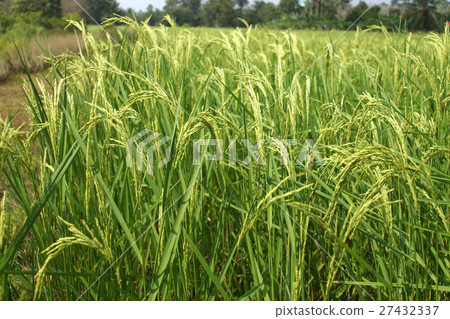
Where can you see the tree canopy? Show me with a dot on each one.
(422, 15)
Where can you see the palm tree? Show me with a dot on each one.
(422, 15)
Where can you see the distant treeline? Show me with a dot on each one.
(425, 15)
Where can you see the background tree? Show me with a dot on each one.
(289, 6)
(53, 8)
(265, 11)
(259, 12)
(358, 11)
(326, 9)
(184, 11)
(48, 8)
(241, 4)
(5, 4)
(70, 6)
(219, 13)
(156, 15)
(423, 15)
(101, 9)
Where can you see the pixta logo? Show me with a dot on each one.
(308, 154)
(152, 142)
(147, 145)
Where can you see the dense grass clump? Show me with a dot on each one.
(371, 223)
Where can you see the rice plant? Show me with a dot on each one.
(371, 223)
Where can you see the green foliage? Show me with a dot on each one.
(26, 18)
(289, 7)
(423, 15)
(99, 10)
(48, 8)
(241, 4)
(260, 13)
(219, 13)
(184, 11)
(156, 16)
(324, 9)
(361, 11)
(23, 28)
(5, 22)
(265, 11)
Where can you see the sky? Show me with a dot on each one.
(139, 5)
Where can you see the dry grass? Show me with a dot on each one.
(35, 52)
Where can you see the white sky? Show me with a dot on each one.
(138, 5)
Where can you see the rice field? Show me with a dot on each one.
(81, 220)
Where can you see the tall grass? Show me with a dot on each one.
(372, 223)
